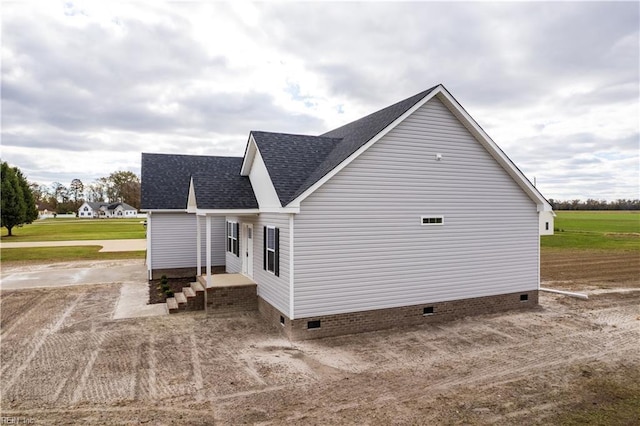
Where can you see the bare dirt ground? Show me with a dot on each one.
(65, 361)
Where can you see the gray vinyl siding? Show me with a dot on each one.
(174, 242)
(359, 243)
(273, 289)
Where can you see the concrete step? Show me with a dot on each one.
(172, 305)
(181, 299)
(196, 286)
(188, 292)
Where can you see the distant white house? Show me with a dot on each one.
(89, 210)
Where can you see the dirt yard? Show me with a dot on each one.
(65, 361)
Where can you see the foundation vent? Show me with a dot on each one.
(313, 324)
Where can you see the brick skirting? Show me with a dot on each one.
(232, 299)
(379, 319)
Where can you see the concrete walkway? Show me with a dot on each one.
(73, 273)
(107, 245)
(130, 274)
(133, 302)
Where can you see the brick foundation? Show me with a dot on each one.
(232, 299)
(379, 319)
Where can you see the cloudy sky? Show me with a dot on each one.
(87, 87)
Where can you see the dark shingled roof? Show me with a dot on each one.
(296, 162)
(217, 181)
(290, 159)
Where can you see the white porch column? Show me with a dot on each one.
(209, 282)
(199, 248)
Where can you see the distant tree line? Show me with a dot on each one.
(120, 186)
(591, 204)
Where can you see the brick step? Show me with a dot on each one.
(172, 305)
(188, 292)
(196, 286)
(181, 299)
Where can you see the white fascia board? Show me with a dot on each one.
(493, 149)
(296, 202)
(192, 205)
(249, 155)
(262, 184)
(287, 209)
(226, 212)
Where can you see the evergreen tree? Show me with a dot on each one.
(18, 206)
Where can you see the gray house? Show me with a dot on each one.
(411, 214)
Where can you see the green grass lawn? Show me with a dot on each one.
(62, 254)
(69, 229)
(608, 230)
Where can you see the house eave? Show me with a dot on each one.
(226, 212)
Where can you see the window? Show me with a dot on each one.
(271, 250)
(232, 238)
(86, 209)
(546, 226)
(431, 220)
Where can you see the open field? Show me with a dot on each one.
(77, 229)
(608, 230)
(64, 360)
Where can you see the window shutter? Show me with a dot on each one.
(277, 254)
(264, 248)
(237, 241)
(228, 238)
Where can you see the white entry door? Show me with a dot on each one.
(247, 263)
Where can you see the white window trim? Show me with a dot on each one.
(438, 220)
(231, 226)
(272, 250)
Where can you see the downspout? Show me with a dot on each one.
(566, 293)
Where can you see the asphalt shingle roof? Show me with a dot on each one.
(290, 159)
(217, 181)
(296, 162)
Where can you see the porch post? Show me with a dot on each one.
(208, 251)
(199, 247)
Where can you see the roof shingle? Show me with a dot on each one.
(217, 180)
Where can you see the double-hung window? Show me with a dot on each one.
(232, 238)
(271, 250)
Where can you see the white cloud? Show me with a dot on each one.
(87, 86)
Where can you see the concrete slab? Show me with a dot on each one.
(73, 273)
(133, 302)
(226, 280)
(107, 245)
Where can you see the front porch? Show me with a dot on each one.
(225, 293)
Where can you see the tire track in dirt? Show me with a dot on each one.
(41, 340)
(77, 393)
(23, 316)
(197, 368)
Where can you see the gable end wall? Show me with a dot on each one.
(359, 244)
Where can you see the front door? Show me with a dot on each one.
(247, 263)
